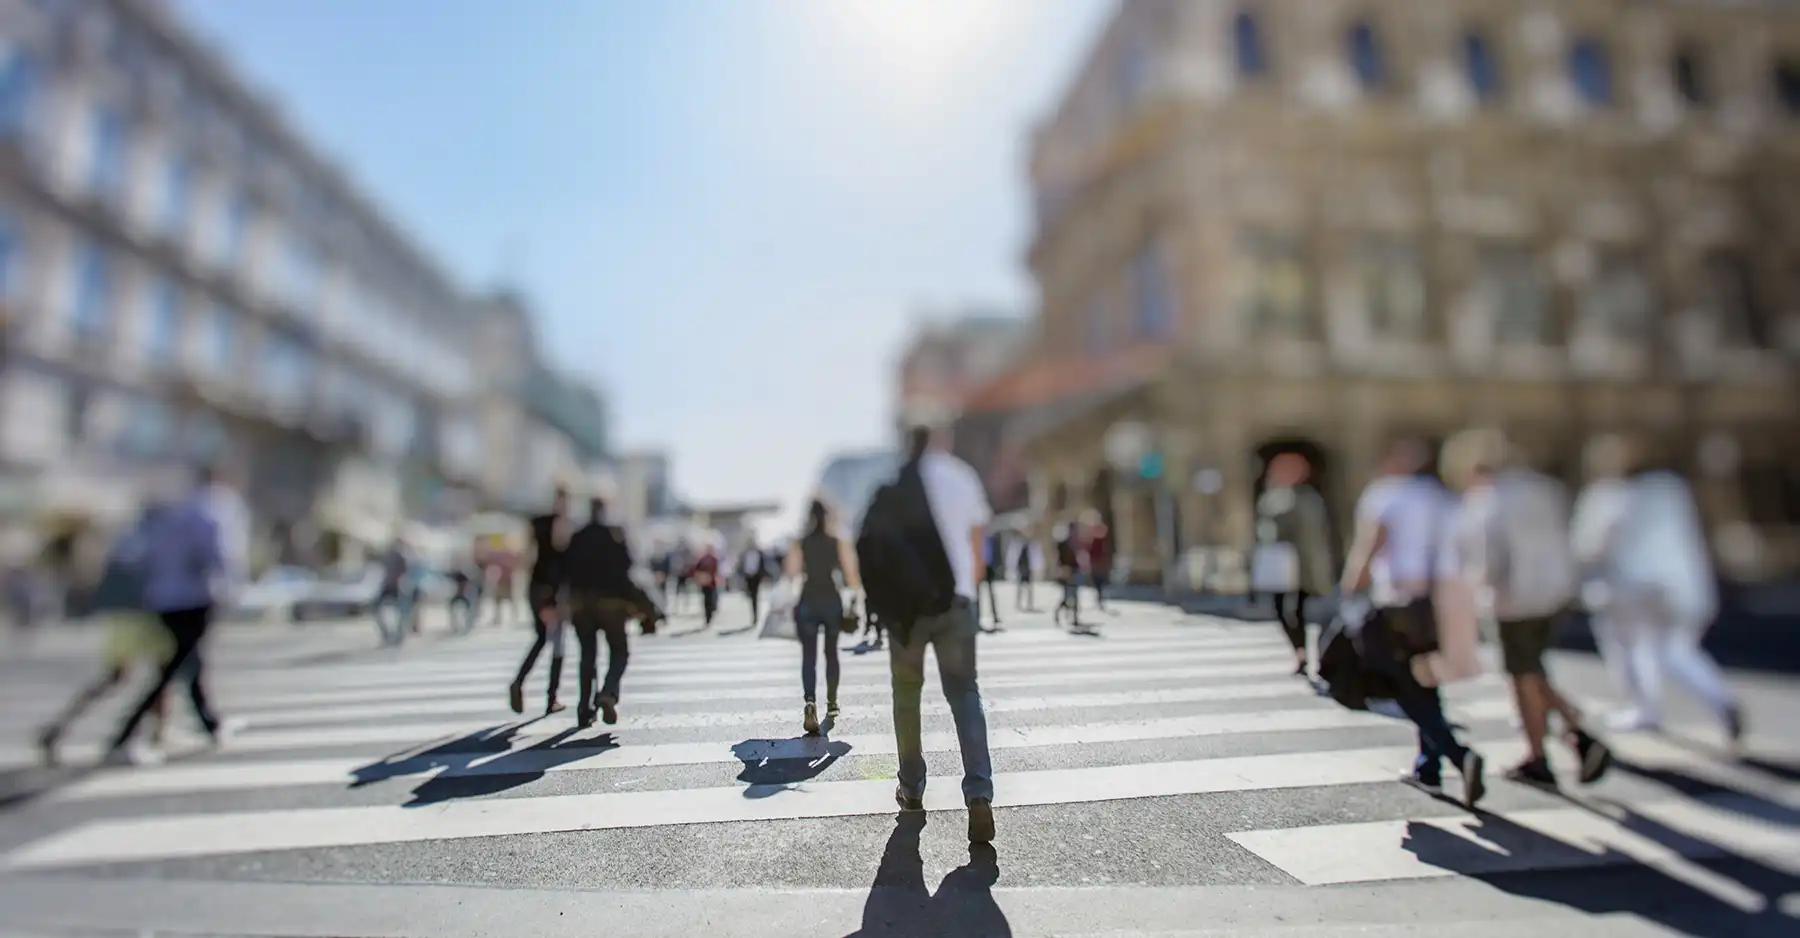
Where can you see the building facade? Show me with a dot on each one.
(946, 361)
(1309, 225)
(183, 280)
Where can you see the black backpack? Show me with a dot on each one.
(905, 572)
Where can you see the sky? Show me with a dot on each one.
(729, 214)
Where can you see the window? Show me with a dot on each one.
(286, 369)
(1393, 289)
(162, 328)
(1619, 302)
(231, 235)
(1366, 57)
(1787, 85)
(12, 251)
(1591, 71)
(18, 89)
(177, 193)
(1690, 81)
(1153, 293)
(92, 293)
(1482, 67)
(300, 273)
(221, 339)
(1730, 296)
(1247, 42)
(1512, 283)
(1271, 285)
(106, 166)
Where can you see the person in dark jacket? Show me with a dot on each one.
(603, 599)
(1293, 548)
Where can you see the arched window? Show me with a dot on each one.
(1690, 77)
(1591, 70)
(1247, 40)
(1366, 57)
(1482, 67)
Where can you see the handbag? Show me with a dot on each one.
(852, 620)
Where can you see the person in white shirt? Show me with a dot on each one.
(1395, 557)
(1651, 580)
(960, 512)
(1511, 544)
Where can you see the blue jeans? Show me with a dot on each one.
(952, 638)
(400, 605)
(811, 619)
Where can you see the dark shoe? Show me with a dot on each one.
(584, 718)
(1533, 772)
(810, 721)
(47, 741)
(981, 821)
(1430, 786)
(1474, 784)
(832, 712)
(1734, 726)
(516, 698)
(908, 802)
(1596, 758)
(609, 709)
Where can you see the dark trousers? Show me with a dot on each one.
(1423, 706)
(709, 602)
(992, 601)
(1023, 596)
(815, 619)
(188, 628)
(1099, 578)
(753, 588)
(1290, 611)
(591, 621)
(545, 635)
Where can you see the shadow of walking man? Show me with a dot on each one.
(772, 766)
(900, 907)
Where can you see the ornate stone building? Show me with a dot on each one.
(1312, 224)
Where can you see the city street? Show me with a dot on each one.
(1169, 777)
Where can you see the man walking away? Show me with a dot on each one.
(603, 598)
(705, 575)
(993, 563)
(1512, 545)
(1068, 573)
(1395, 556)
(1027, 559)
(920, 555)
(183, 566)
(754, 567)
(550, 538)
(393, 605)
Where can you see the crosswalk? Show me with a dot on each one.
(418, 748)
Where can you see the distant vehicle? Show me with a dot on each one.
(339, 595)
(274, 594)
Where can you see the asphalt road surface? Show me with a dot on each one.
(1168, 777)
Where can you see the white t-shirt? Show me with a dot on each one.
(1417, 514)
(959, 505)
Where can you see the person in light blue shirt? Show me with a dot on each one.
(183, 564)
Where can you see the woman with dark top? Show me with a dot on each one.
(1294, 547)
(1068, 573)
(824, 565)
(549, 540)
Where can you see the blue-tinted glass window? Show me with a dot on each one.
(1154, 294)
(106, 170)
(1366, 56)
(1247, 41)
(162, 330)
(93, 292)
(221, 338)
(12, 251)
(178, 192)
(18, 89)
(1482, 67)
(1590, 69)
(237, 218)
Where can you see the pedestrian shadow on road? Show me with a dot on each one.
(772, 766)
(900, 907)
(1724, 894)
(450, 755)
(511, 770)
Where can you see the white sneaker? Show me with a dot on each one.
(230, 727)
(134, 755)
